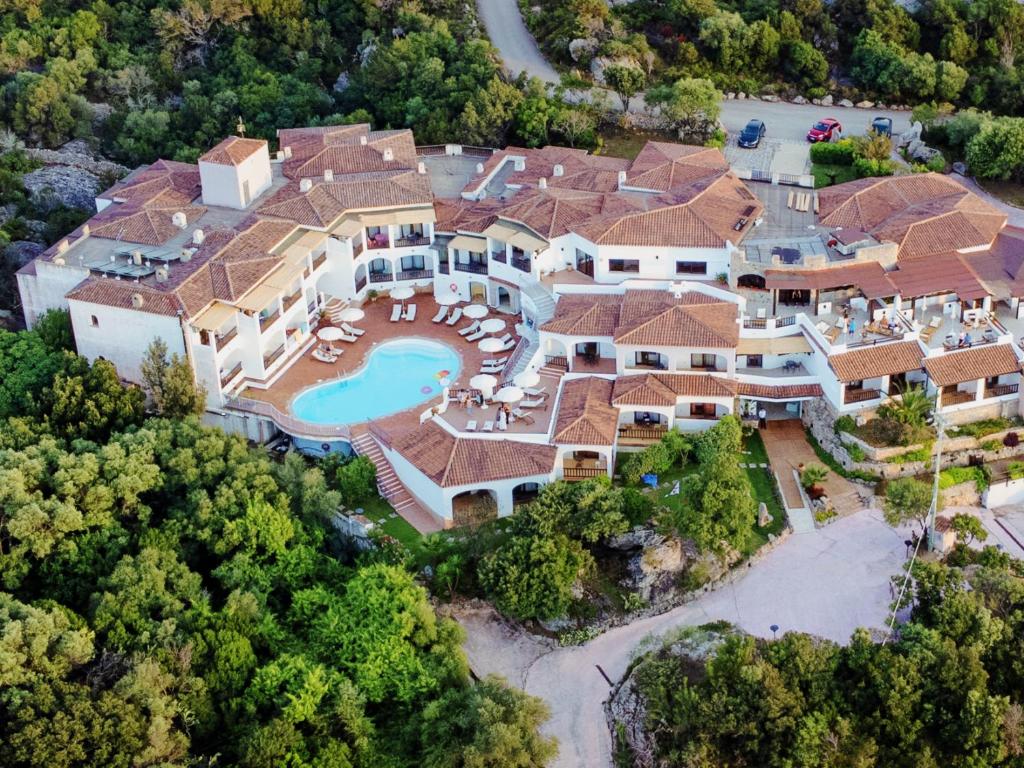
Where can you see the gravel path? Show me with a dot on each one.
(827, 583)
(510, 36)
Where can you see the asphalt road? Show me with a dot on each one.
(789, 122)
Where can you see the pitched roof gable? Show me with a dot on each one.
(585, 416)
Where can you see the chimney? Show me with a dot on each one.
(519, 163)
(542, 183)
(279, 155)
(362, 141)
(179, 220)
(558, 170)
(305, 185)
(137, 300)
(328, 175)
(198, 236)
(86, 230)
(287, 153)
(185, 256)
(389, 155)
(421, 168)
(479, 168)
(622, 179)
(161, 275)
(137, 258)
(63, 245)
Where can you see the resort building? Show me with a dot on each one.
(507, 318)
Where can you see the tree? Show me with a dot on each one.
(913, 407)
(812, 475)
(357, 480)
(626, 81)
(487, 725)
(171, 383)
(691, 105)
(997, 150)
(575, 124)
(908, 500)
(968, 528)
(89, 402)
(54, 329)
(28, 365)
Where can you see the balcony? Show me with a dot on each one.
(381, 277)
(266, 322)
(414, 274)
(499, 256)
(706, 415)
(319, 260)
(409, 240)
(227, 378)
(648, 366)
(269, 360)
(475, 267)
(583, 469)
(223, 341)
(376, 243)
(523, 264)
(956, 398)
(292, 300)
(860, 395)
(443, 267)
(758, 323)
(639, 434)
(357, 248)
(1001, 390)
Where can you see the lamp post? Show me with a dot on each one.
(940, 428)
(774, 628)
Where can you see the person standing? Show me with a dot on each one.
(762, 418)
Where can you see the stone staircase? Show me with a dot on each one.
(542, 300)
(391, 487)
(334, 308)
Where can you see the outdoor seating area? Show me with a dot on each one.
(522, 405)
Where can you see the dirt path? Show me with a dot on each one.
(828, 583)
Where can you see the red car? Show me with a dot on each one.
(824, 130)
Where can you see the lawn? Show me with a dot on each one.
(619, 142)
(762, 483)
(1009, 192)
(379, 511)
(823, 174)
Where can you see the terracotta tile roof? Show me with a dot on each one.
(661, 166)
(780, 392)
(233, 151)
(451, 461)
(941, 273)
(664, 389)
(872, 280)
(585, 416)
(120, 293)
(1001, 268)
(923, 213)
(144, 184)
(971, 364)
(580, 170)
(877, 360)
(149, 224)
(595, 314)
(345, 149)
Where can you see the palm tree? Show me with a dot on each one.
(912, 407)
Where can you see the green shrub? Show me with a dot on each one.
(1015, 469)
(855, 451)
(357, 480)
(865, 167)
(991, 445)
(839, 153)
(845, 423)
(982, 427)
(936, 164)
(956, 475)
(924, 453)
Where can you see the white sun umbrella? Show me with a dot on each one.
(508, 395)
(490, 345)
(526, 379)
(492, 325)
(448, 298)
(475, 311)
(402, 293)
(330, 333)
(351, 315)
(485, 383)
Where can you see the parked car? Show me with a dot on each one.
(825, 130)
(882, 125)
(752, 134)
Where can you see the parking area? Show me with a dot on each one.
(770, 156)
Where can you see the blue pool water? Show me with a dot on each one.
(397, 375)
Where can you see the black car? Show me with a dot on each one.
(882, 126)
(751, 136)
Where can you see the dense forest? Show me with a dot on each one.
(170, 596)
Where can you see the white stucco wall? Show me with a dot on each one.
(225, 184)
(46, 289)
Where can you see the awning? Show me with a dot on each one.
(312, 240)
(258, 298)
(213, 317)
(283, 277)
(873, 281)
(500, 231)
(401, 216)
(939, 274)
(296, 256)
(348, 228)
(786, 345)
(527, 242)
(467, 243)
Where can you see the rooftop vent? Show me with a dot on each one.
(479, 168)
(542, 183)
(279, 155)
(86, 230)
(198, 236)
(186, 255)
(328, 175)
(59, 261)
(137, 258)
(137, 300)
(305, 185)
(622, 179)
(362, 140)
(63, 245)
(389, 155)
(162, 274)
(179, 220)
(287, 153)
(519, 163)
(558, 170)
(421, 168)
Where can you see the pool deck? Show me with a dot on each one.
(306, 371)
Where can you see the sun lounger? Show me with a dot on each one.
(519, 413)
(323, 357)
(536, 392)
(396, 313)
(455, 316)
(350, 339)
(442, 312)
(476, 336)
(351, 330)
(502, 425)
(533, 404)
(927, 333)
(833, 333)
(410, 312)
(506, 338)
(496, 361)
(488, 426)
(471, 426)
(491, 369)
(471, 328)
(510, 344)
(333, 351)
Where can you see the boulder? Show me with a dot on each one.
(771, 97)
(764, 517)
(601, 63)
(826, 100)
(960, 168)
(730, 96)
(53, 185)
(865, 104)
(342, 83)
(21, 252)
(920, 152)
(799, 100)
(910, 135)
(741, 95)
(100, 112)
(653, 570)
(582, 48)
(845, 103)
(635, 539)
(816, 102)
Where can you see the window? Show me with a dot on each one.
(412, 262)
(94, 321)
(411, 230)
(652, 359)
(755, 361)
(623, 265)
(703, 361)
(855, 384)
(691, 267)
(646, 419)
(702, 410)
(380, 266)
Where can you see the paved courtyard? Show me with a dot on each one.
(828, 583)
(770, 156)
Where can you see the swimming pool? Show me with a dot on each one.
(397, 375)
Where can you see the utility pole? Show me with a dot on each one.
(933, 510)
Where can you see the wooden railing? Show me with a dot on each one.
(956, 398)
(474, 267)
(266, 322)
(319, 260)
(583, 473)
(412, 240)
(557, 361)
(755, 322)
(500, 256)
(269, 360)
(223, 341)
(288, 423)
(640, 432)
(226, 378)
(357, 248)
(999, 390)
(374, 245)
(290, 301)
(523, 264)
(860, 395)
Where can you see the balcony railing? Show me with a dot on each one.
(956, 398)
(360, 283)
(269, 360)
(319, 260)
(499, 256)
(475, 267)
(860, 395)
(702, 415)
(381, 277)
(649, 366)
(266, 322)
(638, 433)
(226, 378)
(443, 267)
(414, 274)
(584, 473)
(755, 322)
(291, 301)
(999, 390)
(523, 264)
(557, 361)
(223, 341)
(357, 248)
(408, 240)
(783, 322)
(374, 244)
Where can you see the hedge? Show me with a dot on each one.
(839, 153)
